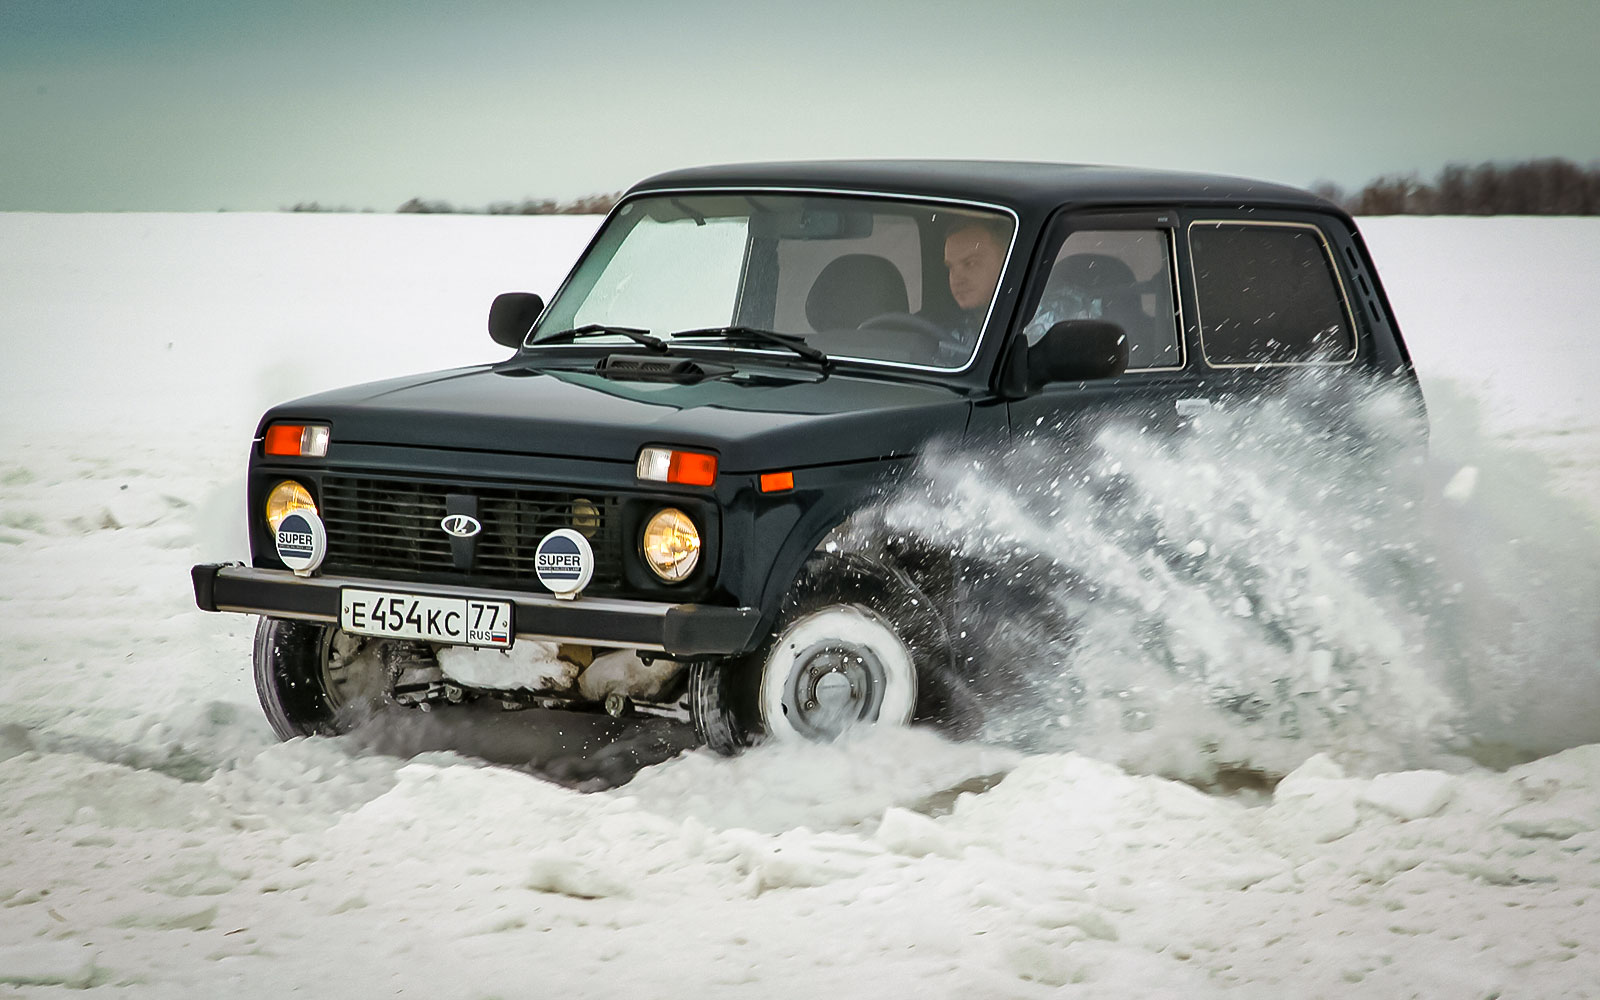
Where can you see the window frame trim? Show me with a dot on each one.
(1329, 256)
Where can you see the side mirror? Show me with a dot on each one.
(1076, 350)
(512, 315)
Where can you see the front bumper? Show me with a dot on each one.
(676, 630)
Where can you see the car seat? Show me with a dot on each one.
(1102, 286)
(854, 288)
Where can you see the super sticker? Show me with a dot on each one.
(302, 542)
(564, 562)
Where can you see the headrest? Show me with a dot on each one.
(854, 288)
(1093, 272)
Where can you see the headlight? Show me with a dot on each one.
(286, 498)
(671, 544)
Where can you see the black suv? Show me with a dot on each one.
(642, 508)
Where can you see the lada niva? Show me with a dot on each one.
(640, 508)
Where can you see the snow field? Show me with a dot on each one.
(160, 843)
(1502, 307)
(304, 868)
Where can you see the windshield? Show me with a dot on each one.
(855, 278)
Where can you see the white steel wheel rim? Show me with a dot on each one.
(833, 670)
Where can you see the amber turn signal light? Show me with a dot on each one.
(669, 465)
(298, 440)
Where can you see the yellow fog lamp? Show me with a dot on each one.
(286, 498)
(671, 544)
(585, 517)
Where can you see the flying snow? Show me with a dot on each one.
(1266, 585)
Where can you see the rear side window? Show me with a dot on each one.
(1268, 294)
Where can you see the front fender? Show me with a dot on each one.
(782, 531)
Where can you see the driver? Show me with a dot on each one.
(974, 254)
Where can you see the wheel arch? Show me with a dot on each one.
(841, 523)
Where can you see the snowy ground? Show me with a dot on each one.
(160, 844)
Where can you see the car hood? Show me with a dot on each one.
(753, 420)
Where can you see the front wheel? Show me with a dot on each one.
(836, 668)
(851, 648)
(313, 679)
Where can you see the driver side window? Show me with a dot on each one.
(1123, 276)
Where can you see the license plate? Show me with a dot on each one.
(460, 621)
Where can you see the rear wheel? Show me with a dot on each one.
(313, 679)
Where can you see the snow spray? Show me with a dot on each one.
(1268, 584)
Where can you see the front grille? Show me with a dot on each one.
(390, 527)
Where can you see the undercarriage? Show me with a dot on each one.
(619, 682)
(316, 679)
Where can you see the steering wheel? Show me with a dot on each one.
(907, 322)
(923, 335)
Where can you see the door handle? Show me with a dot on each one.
(1194, 406)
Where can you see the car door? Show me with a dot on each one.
(1121, 267)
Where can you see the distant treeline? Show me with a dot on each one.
(1534, 187)
(594, 204)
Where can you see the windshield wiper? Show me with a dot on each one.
(756, 335)
(600, 329)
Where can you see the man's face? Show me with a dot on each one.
(974, 258)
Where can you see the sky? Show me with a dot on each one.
(201, 105)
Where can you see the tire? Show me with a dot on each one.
(711, 697)
(312, 679)
(855, 644)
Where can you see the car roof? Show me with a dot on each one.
(1021, 186)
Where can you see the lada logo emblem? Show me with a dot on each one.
(461, 525)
